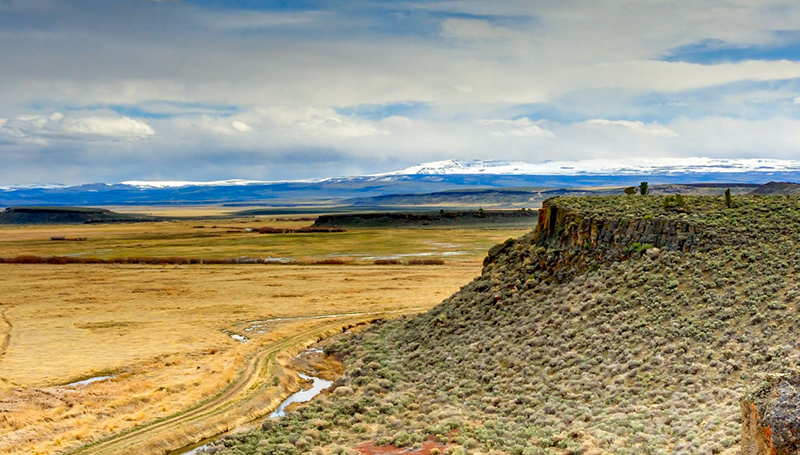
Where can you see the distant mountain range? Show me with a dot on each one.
(648, 166)
(423, 178)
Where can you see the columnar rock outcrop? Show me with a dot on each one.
(571, 229)
(576, 240)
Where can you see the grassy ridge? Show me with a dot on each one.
(440, 218)
(65, 215)
(646, 355)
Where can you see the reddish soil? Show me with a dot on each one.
(370, 448)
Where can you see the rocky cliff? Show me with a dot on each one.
(622, 325)
(570, 229)
(575, 240)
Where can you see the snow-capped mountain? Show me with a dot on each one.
(183, 183)
(642, 166)
(422, 178)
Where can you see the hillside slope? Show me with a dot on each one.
(624, 325)
(484, 218)
(66, 215)
(785, 188)
(533, 197)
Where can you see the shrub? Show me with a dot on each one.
(426, 261)
(329, 261)
(387, 261)
(674, 201)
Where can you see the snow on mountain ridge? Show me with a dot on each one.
(458, 167)
(602, 166)
(181, 183)
(592, 167)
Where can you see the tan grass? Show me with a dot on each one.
(216, 239)
(160, 330)
(177, 211)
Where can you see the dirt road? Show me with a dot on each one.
(221, 413)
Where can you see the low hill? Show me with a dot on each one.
(778, 188)
(501, 197)
(533, 197)
(65, 215)
(441, 218)
(622, 325)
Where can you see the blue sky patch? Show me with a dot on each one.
(169, 109)
(786, 46)
(381, 111)
(259, 5)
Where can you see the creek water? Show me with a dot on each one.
(302, 396)
(91, 380)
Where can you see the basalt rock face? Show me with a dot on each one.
(573, 241)
(570, 229)
(771, 416)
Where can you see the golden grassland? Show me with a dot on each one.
(164, 331)
(230, 239)
(178, 210)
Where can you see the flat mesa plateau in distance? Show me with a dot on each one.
(91, 350)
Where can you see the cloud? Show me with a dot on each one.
(777, 137)
(228, 87)
(363, 55)
(290, 142)
(248, 19)
(240, 126)
(522, 127)
(637, 127)
(271, 128)
(40, 129)
(474, 29)
(314, 123)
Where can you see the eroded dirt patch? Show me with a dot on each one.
(427, 448)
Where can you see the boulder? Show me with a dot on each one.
(771, 416)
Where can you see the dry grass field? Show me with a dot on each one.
(169, 335)
(237, 238)
(179, 210)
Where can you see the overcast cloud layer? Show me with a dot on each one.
(95, 90)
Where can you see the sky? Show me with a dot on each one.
(107, 91)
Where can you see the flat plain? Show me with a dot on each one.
(170, 337)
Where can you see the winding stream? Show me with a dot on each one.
(298, 397)
(302, 396)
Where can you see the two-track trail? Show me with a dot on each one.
(7, 329)
(224, 411)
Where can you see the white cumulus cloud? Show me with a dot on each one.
(638, 127)
(313, 122)
(240, 126)
(522, 127)
(38, 129)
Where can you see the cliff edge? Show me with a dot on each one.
(622, 325)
